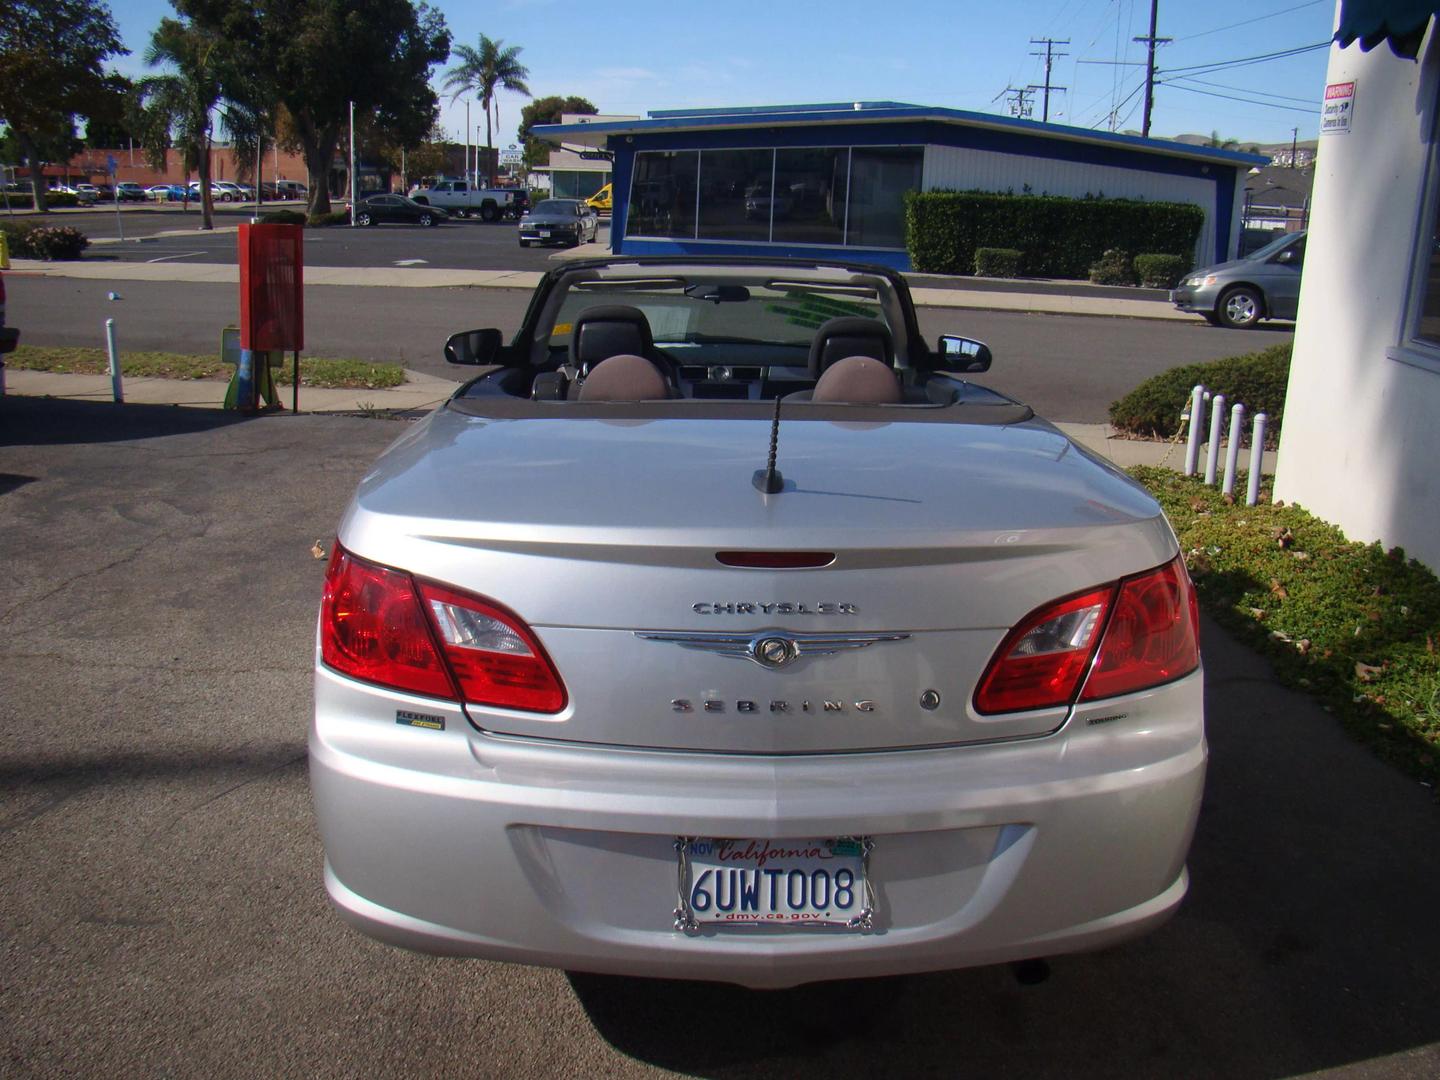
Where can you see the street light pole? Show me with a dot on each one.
(467, 140)
(352, 163)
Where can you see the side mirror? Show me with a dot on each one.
(473, 347)
(1286, 257)
(964, 354)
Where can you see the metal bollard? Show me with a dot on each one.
(1217, 424)
(1197, 414)
(1232, 450)
(1257, 448)
(116, 386)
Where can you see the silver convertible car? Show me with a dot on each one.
(722, 628)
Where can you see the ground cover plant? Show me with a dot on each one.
(1257, 380)
(1353, 625)
(314, 371)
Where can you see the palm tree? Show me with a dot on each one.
(175, 108)
(1222, 144)
(484, 71)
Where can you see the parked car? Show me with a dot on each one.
(291, 189)
(129, 191)
(558, 221)
(603, 200)
(244, 192)
(9, 335)
(1239, 293)
(710, 636)
(167, 192)
(381, 208)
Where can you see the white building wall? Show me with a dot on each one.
(959, 169)
(1361, 440)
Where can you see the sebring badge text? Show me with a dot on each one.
(783, 607)
(711, 705)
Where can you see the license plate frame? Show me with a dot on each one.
(762, 872)
(544, 234)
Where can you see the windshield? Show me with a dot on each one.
(688, 313)
(556, 206)
(1274, 246)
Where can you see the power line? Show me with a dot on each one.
(1257, 18)
(1245, 60)
(1247, 101)
(1241, 89)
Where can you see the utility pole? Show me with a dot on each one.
(1294, 137)
(1150, 42)
(1050, 57)
(1017, 98)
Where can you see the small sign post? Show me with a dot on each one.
(111, 165)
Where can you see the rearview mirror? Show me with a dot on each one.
(473, 347)
(964, 354)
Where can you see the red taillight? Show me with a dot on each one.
(496, 658)
(1041, 661)
(1138, 633)
(378, 625)
(1153, 636)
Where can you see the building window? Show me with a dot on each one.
(662, 194)
(1427, 315)
(813, 182)
(735, 197)
(879, 179)
(577, 183)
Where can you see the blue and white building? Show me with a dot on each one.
(828, 181)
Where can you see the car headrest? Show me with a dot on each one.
(609, 330)
(624, 378)
(849, 336)
(858, 380)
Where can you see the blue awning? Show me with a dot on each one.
(1400, 23)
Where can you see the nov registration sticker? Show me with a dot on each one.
(779, 883)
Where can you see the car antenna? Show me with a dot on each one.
(769, 479)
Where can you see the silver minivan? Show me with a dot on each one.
(1263, 285)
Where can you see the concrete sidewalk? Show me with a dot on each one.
(954, 296)
(421, 393)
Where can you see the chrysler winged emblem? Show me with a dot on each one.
(773, 649)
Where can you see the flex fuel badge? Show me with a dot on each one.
(415, 719)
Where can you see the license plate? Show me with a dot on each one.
(544, 233)
(774, 883)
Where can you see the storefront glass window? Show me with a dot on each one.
(810, 187)
(1428, 328)
(662, 194)
(879, 178)
(735, 201)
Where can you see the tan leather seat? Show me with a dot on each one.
(624, 378)
(858, 380)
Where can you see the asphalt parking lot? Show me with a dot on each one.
(162, 911)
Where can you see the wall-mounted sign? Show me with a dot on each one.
(1339, 108)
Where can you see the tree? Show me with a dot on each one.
(176, 108)
(51, 52)
(315, 57)
(485, 71)
(547, 110)
(1221, 144)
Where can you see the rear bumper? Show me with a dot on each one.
(458, 843)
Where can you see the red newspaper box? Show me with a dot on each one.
(272, 288)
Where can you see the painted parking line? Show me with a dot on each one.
(180, 255)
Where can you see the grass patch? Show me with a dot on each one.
(316, 372)
(1351, 624)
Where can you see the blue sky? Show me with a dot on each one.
(630, 56)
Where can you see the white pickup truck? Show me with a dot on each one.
(461, 198)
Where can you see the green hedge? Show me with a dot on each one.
(334, 217)
(1256, 380)
(282, 217)
(998, 262)
(24, 201)
(30, 241)
(1161, 271)
(1115, 267)
(1060, 237)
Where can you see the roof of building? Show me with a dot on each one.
(872, 112)
(1276, 185)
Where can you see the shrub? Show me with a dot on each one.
(61, 198)
(17, 239)
(1257, 380)
(1160, 271)
(53, 242)
(282, 217)
(334, 217)
(997, 262)
(1113, 268)
(1060, 237)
